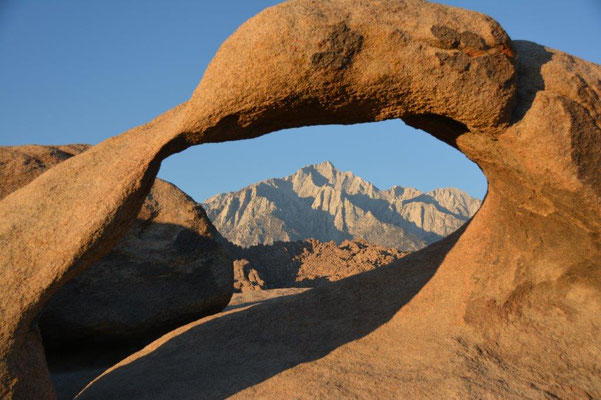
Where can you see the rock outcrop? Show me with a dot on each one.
(19, 165)
(506, 307)
(169, 269)
(246, 278)
(321, 202)
(307, 263)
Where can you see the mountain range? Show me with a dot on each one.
(324, 203)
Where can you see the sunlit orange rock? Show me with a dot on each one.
(507, 307)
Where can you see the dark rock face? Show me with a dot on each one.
(170, 269)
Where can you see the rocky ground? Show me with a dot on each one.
(73, 369)
(306, 263)
(288, 268)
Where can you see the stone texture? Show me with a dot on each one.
(321, 202)
(19, 165)
(246, 278)
(307, 263)
(506, 307)
(170, 268)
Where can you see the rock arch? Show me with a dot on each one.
(527, 266)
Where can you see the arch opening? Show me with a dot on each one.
(384, 156)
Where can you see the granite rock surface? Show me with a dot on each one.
(505, 307)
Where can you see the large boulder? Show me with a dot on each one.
(506, 307)
(169, 269)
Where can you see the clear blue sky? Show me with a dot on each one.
(75, 71)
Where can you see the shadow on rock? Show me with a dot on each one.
(154, 281)
(222, 356)
(532, 58)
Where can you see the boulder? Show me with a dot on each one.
(247, 278)
(169, 269)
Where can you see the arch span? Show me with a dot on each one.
(528, 264)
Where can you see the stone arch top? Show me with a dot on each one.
(307, 62)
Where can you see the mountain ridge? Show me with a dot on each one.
(319, 201)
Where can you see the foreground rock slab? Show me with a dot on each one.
(509, 304)
(72, 371)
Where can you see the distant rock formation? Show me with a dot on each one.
(321, 202)
(505, 307)
(307, 263)
(246, 277)
(170, 268)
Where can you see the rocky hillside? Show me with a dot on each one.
(321, 202)
(306, 263)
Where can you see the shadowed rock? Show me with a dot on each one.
(170, 269)
(506, 307)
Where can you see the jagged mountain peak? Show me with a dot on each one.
(402, 192)
(326, 172)
(326, 169)
(319, 201)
